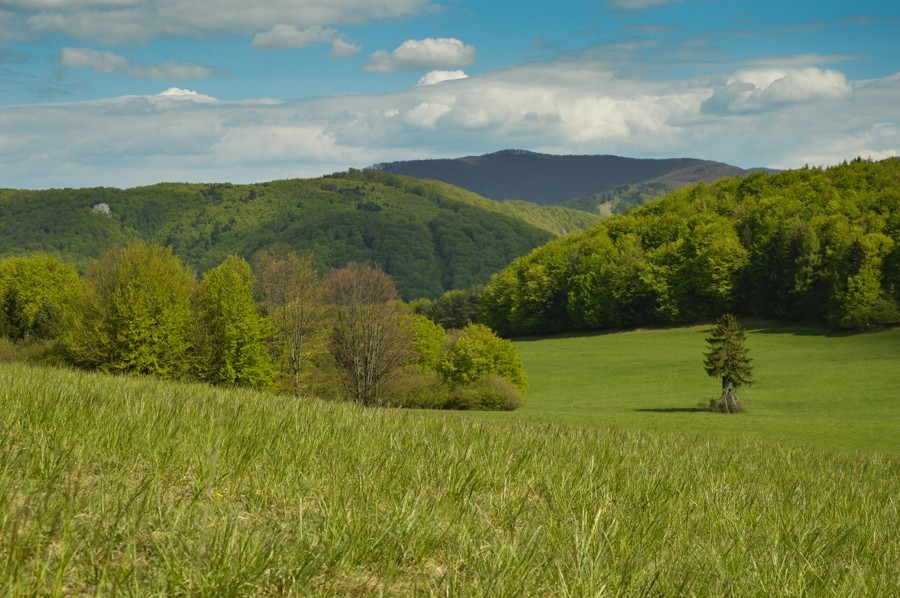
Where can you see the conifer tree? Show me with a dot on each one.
(727, 359)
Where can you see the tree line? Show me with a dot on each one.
(427, 235)
(809, 244)
(272, 323)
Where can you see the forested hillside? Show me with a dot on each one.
(807, 244)
(550, 179)
(428, 236)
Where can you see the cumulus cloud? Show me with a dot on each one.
(341, 48)
(429, 53)
(760, 90)
(177, 93)
(288, 36)
(129, 21)
(435, 77)
(573, 106)
(109, 63)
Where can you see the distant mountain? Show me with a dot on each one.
(547, 179)
(430, 236)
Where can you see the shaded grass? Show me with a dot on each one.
(128, 486)
(813, 386)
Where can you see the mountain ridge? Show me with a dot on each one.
(551, 179)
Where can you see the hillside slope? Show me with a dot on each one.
(429, 236)
(809, 244)
(548, 179)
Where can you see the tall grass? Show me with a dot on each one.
(115, 486)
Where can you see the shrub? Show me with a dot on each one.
(477, 352)
(416, 388)
(489, 393)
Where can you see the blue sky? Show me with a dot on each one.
(132, 92)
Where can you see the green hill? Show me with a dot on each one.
(429, 236)
(809, 244)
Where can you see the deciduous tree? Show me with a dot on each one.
(35, 291)
(293, 296)
(134, 314)
(233, 334)
(369, 341)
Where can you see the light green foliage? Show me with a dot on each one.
(477, 352)
(112, 486)
(429, 236)
(134, 314)
(808, 244)
(862, 300)
(232, 348)
(427, 339)
(36, 292)
(712, 257)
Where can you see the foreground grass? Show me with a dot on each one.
(814, 387)
(116, 486)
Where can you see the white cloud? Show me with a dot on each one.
(429, 53)
(572, 106)
(435, 77)
(760, 90)
(341, 48)
(288, 36)
(130, 21)
(185, 94)
(110, 63)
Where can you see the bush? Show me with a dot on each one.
(416, 388)
(489, 393)
(477, 352)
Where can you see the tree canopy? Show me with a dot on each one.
(429, 236)
(809, 244)
(134, 314)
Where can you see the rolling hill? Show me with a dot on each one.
(428, 235)
(549, 179)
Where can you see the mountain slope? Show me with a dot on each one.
(428, 235)
(547, 179)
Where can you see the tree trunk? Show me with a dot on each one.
(729, 401)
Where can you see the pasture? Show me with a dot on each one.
(114, 485)
(813, 386)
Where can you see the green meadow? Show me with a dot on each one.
(813, 386)
(604, 484)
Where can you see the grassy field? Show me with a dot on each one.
(111, 485)
(813, 386)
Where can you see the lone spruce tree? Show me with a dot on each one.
(727, 359)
